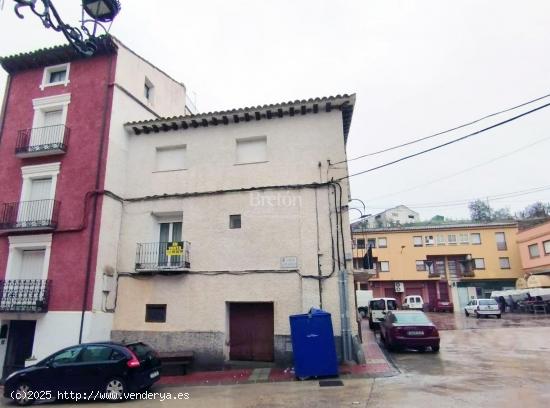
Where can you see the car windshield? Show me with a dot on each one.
(411, 318)
(487, 302)
(378, 305)
(392, 305)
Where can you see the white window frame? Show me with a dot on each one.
(250, 139)
(415, 241)
(39, 171)
(452, 242)
(55, 68)
(168, 217)
(49, 103)
(383, 239)
(440, 239)
(481, 261)
(162, 148)
(500, 259)
(535, 245)
(477, 234)
(546, 247)
(384, 263)
(20, 243)
(463, 241)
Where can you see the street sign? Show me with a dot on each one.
(175, 249)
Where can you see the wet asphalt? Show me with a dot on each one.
(482, 363)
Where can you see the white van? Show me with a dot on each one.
(413, 302)
(378, 308)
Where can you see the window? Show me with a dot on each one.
(252, 150)
(504, 263)
(451, 239)
(235, 221)
(55, 75)
(546, 245)
(417, 241)
(170, 158)
(94, 354)
(534, 250)
(479, 263)
(440, 239)
(371, 243)
(382, 243)
(429, 240)
(50, 113)
(360, 243)
(463, 238)
(148, 90)
(384, 266)
(420, 266)
(501, 241)
(155, 313)
(67, 357)
(475, 238)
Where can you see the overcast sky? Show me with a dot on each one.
(417, 67)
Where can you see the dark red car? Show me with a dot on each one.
(409, 329)
(443, 306)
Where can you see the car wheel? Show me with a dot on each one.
(23, 394)
(435, 349)
(466, 313)
(387, 344)
(115, 388)
(499, 316)
(477, 315)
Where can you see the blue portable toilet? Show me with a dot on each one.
(313, 344)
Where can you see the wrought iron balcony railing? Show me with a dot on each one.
(42, 141)
(24, 295)
(29, 215)
(163, 256)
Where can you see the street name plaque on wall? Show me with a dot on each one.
(289, 262)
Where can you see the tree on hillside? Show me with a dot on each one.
(438, 218)
(502, 214)
(535, 210)
(480, 211)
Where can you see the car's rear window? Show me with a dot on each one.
(378, 304)
(411, 318)
(140, 350)
(487, 302)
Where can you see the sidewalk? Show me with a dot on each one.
(377, 366)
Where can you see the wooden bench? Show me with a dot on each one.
(179, 359)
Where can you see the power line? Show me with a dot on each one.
(496, 197)
(447, 143)
(442, 132)
(464, 170)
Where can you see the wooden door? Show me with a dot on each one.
(251, 331)
(432, 294)
(443, 292)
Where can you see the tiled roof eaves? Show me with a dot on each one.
(58, 54)
(436, 227)
(344, 103)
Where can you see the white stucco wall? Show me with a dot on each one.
(270, 229)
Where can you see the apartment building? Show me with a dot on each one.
(62, 142)
(534, 249)
(232, 221)
(395, 216)
(449, 262)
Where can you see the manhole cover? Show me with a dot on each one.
(331, 383)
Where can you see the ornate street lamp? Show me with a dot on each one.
(95, 14)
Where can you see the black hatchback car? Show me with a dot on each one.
(93, 370)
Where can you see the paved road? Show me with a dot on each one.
(489, 365)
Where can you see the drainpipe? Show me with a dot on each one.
(104, 136)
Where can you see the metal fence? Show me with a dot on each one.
(159, 256)
(24, 295)
(43, 139)
(29, 214)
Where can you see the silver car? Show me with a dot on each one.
(482, 307)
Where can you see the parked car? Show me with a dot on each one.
(105, 367)
(443, 306)
(413, 302)
(409, 329)
(482, 307)
(378, 308)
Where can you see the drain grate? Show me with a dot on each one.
(331, 383)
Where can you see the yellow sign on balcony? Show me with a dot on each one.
(175, 249)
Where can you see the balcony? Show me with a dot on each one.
(40, 215)
(24, 295)
(42, 141)
(163, 257)
(452, 268)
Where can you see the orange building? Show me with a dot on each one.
(534, 249)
